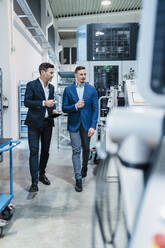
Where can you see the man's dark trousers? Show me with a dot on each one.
(34, 135)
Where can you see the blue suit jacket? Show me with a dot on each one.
(88, 114)
(34, 97)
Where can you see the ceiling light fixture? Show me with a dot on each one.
(105, 2)
(98, 33)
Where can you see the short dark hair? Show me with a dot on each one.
(45, 66)
(78, 68)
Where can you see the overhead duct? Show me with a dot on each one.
(39, 34)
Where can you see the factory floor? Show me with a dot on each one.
(58, 216)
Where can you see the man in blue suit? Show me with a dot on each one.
(39, 99)
(80, 101)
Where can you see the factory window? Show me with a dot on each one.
(69, 55)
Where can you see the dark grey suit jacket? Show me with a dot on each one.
(34, 97)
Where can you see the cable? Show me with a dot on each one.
(108, 234)
(99, 202)
(114, 231)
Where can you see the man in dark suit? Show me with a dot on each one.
(39, 98)
(80, 101)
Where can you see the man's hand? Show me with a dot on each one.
(55, 112)
(50, 103)
(91, 132)
(80, 104)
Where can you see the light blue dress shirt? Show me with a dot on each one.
(80, 91)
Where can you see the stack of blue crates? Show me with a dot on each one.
(23, 131)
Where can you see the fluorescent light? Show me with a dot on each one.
(105, 2)
(98, 33)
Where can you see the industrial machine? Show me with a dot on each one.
(151, 83)
(137, 133)
(109, 52)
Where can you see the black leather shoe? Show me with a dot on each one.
(44, 179)
(33, 187)
(78, 186)
(84, 171)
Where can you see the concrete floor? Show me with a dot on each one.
(58, 216)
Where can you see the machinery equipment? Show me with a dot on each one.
(138, 133)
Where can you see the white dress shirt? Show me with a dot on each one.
(80, 90)
(46, 91)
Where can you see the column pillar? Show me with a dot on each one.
(10, 120)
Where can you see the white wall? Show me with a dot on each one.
(6, 57)
(26, 58)
(68, 43)
(26, 61)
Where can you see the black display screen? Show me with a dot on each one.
(158, 63)
(163, 77)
